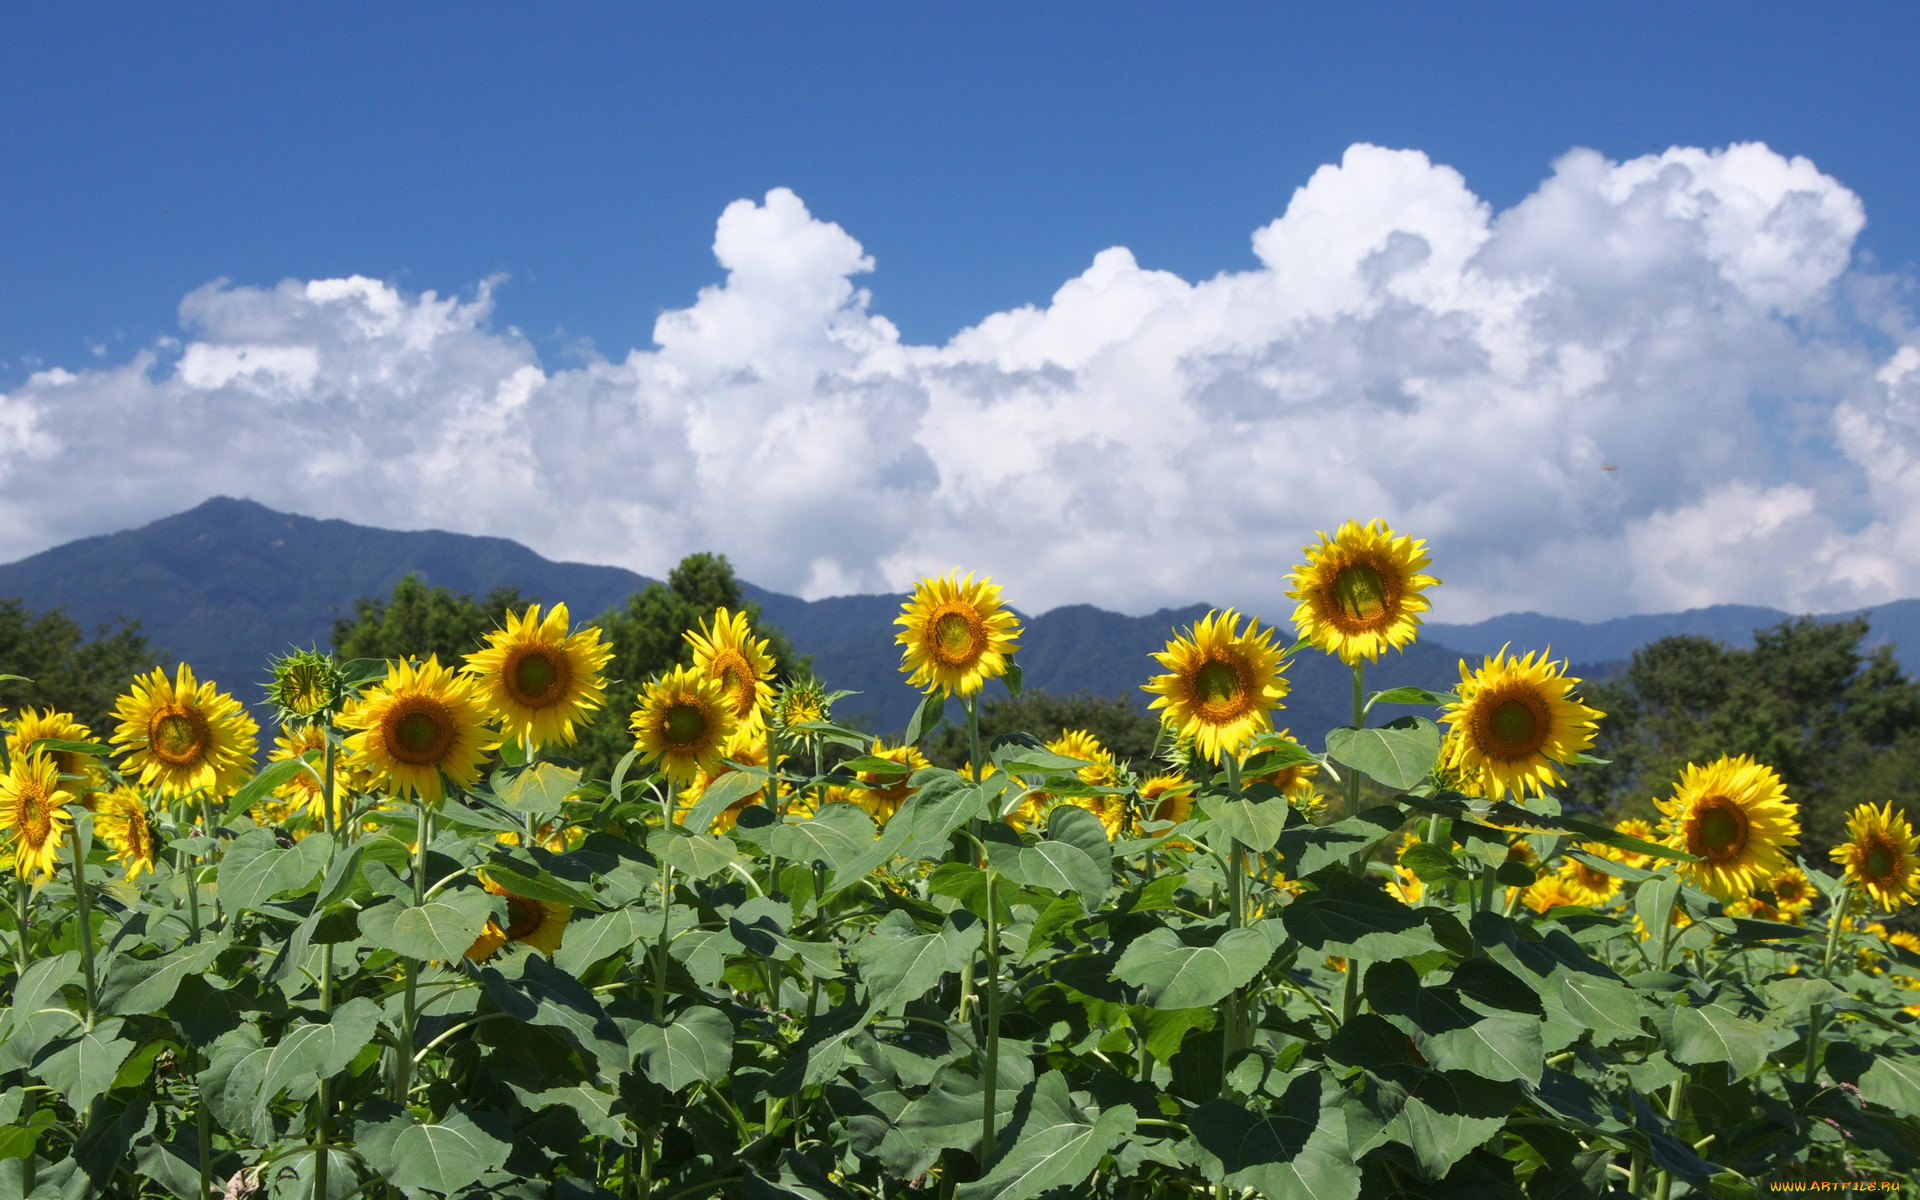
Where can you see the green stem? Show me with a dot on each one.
(84, 909)
(1676, 1098)
(660, 946)
(990, 1076)
(1816, 1016)
(1232, 1040)
(323, 1103)
(22, 953)
(973, 736)
(1350, 1000)
(410, 969)
(203, 1121)
(1666, 934)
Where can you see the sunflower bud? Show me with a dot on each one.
(306, 686)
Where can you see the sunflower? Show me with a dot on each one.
(685, 721)
(1734, 814)
(555, 835)
(120, 818)
(1515, 719)
(1294, 782)
(304, 685)
(181, 735)
(1221, 685)
(1792, 893)
(883, 795)
(1550, 891)
(1879, 855)
(1168, 798)
(538, 923)
(799, 702)
(419, 723)
(80, 773)
(1100, 771)
(304, 792)
(1634, 827)
(746, 749)
(725, 651)
(1406, 887)
(957, 635)
(1360, 591)
(1588, 885)
(34, 808)
(537, 679)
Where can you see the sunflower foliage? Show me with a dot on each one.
(417, 953)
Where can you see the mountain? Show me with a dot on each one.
(231, 582)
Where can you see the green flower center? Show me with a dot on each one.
(1216, 683)
(1718, 830)
(419, 731)
(177, 735)
(537, 676)
(684, 724)
(1360, 594)
(956, 637)
(1881, 861)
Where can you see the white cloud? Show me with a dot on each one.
(1690, 319)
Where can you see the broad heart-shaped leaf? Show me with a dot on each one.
(697, 1047)
(1308, 848)
(236, 1067)
(942, 802)
(1350, 918)
(39, 988)
(899, 970)
(443, 928)
(136, 985)
(1171, 974)
(1297, 1148)
(83, 1066)
(308, 1053)
(695, 856)
(1410, 695)
(1076, 826)
(1450, 1034)
(1052, 1145)
(839, 835)
(1715, 1033)
(255, 868)
(538, 791)
(1653, 902)
(443, 1157)
(1254, 824)
(546, 995)
(523, 878)
(1893, 1081)
(1270, 752)
(728, 790)
(948, 1116)
(1448, 1115)
(1607, 1007)
(1400, 753)
(256, 789)
(1053, 866)
(598, 937)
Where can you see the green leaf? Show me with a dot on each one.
(139, 986)
(309, 1053)
(1433, 865)
(255, 869)
(695, 856)
(1254, 824)
(1449, 1114)
(1053, 1147)
(874, 765)
(1610, 1009)
(839, 835)
(1347, 917)
(1400, 753)
(1715, 1033)
(236, 1067)
(1052, 866)
(1411, 695)
(900, 970)
(696, 1048)
(261, 786)
(538, 791)
(523, 878)
(1297, 1148)
(942, 803)
(1653, 902)
(546, 995)
(358, 672)
(443, 928)
(1270, 752)
(1308, 848)
(1076, 826)
(947, 1117)
(1894, 1081)
(1173, 975)
(727, 791)
(83, 1067)
(602, 936)
(444, 1157)
(18, 1139)
(58, 746)
(926, 717)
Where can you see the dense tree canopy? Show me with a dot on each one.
(69, 672)
(417, 621)
(1841, 724)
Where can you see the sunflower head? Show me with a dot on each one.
(1406, 887)
(79, 773)
(800, 701)
(422, 722)
(1295, 782)
(537, 923)
(1549, 891)
(120, 818)
(1516, 718)
(685, 721)
(746, 748)
(1101, 770)
(1588, 885)
(725, 651)
(1734, 814)
(957, 635)
(1881, 856)
(1792, 893)
(1361, 591)
(1168, 798)
(304, 792)
(305, 686)
(882, 795)
(181, 735)
(34, 809)
(1221, 684)
(1634, 827)
(537, 679)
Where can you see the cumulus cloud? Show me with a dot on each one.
(1650, 384)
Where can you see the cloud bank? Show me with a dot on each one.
(1649, 385)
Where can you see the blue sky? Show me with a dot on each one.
(1614, 305)
(981, 153)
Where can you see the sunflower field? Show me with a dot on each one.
(415, 953)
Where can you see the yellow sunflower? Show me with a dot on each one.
(120, 818)
(420, 722)
(537, 679)
(1734, 814)
(538, 923)
(748, 749)
(1634, 827)
(727, 652)
(882, 795)
(1101, 771)
(1586, 884)
(1360, 591)
(1295, 782)
(80, 773)
(1515, 719)
(181, 735)
(33, 807)
(1879, 855)
(1221, 685)
(1406, 887)
(1167, 798)
(1792, 893)
(1550, 891)
(304, 792)
(957, 635)
(685, 721)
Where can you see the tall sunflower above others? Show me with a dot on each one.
(725, 651)
(1516, 719)
(1221, 685)
(538, 679)
(181, 735)
(1361, 591)
(422, 720)
(957, 635)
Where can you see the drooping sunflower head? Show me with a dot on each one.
(180, 734)
(305, 686)
(1881, 856)
(1361, 591)
(1515, 719)
(1588, 885)
(422, 722)
(1168, 798)
(120, 818)
(800, 701)
(726, 651)
(1101, 770)
(957, 634)
(537, 923)
(685, 721)
(537, 679)
(1221, 684)
(33, 807)
(1734, 814)
(79, 773)
(1295, 782)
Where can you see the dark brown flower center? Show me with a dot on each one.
(683, 724)
(1718, 831)
(178, 735)
(1361, 598)
(523, 917)
(1222, 688)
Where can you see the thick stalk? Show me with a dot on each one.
(1232, 1038)
(973, 736)
(84, 910)
(1676, 1100)
(1350, 1000)
(203, 1122)
(1836, 917)
(410, 970)
(990, 1076)
(660, 945)
(973, 766)
(22, 954)
(323, 1103)
(1666, 934)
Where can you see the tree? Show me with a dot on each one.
(69, 673)
(418, 621)
(1123, 729)
(1840, 724)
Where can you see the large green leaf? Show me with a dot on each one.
(523, 878)
(726, 791)
(1053, 1146)
(1054, 866)
(1348, 917)
(308, 1053)
(695, 856)
(1715, 1033)
(82, 1067)
(546, 995)
(900, 969)
(1171, 974)
(1894, 1081)
(598, 937)
(1295, 1149)
(444, 1157)
(1254, 824)
(236, 1068)
(948, 1116)
(261, 785)
(538, 791)
(255, 868)
(136, 985)
(1450, 1034)
(1308, 848)
(697, 1047)
(1610, 1009)
(443, 928)
(1400, 753)
(839, 835)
